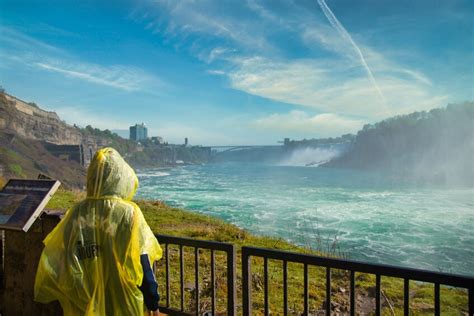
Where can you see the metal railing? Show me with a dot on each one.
(286, 258)
(229, 251)
(378, 270)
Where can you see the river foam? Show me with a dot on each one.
(373, 219)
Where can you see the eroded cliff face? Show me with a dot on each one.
(34, 141)
(30, 122)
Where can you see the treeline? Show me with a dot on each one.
(111, 139)
(317, 142)
(149, 154)
(437, 145)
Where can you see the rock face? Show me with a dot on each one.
(29, 121)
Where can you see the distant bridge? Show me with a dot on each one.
(226, 148)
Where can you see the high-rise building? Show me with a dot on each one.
(138, 132)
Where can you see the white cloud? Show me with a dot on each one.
(321, 125)
(17, 49)
(215, 53)
(338, 76)
(119, 77)
(332, 86)
(182, 18)
(216, 72)
(22, 42)
(351, 44)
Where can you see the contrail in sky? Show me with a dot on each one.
(338, 26)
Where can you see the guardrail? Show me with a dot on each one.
(378, 270)
(286, 258)
(229, 251)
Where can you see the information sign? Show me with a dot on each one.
(22, 201)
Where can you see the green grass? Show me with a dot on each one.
(177, 222)
(16, 170)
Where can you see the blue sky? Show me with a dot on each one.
(237, 72)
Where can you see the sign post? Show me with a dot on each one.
(25, 225)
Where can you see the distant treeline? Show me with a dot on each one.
(437, 145)
(122, 145)
(150, 154)
(316, 142)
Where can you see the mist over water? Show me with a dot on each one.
(375, 218)
(310, 157)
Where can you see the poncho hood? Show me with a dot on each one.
(110, 176)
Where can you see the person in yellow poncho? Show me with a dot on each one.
(95, 259)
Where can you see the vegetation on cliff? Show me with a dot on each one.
(26, 158)
(177, 222)
(435, 146)
(122, 145)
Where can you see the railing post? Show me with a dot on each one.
(471, 301)
(285, 288)
(246, 283)
(231, 289)
(352, 298)
(406, 297)
(265, 285)
(181, 276)
(213, 283)
(167, 268)
(196, 278)
(328, 291)
(377, 295)
(437, 309)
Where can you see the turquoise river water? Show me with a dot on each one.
(371, 218)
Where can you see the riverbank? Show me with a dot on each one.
(164, 219)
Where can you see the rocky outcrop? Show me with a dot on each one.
(30, 122)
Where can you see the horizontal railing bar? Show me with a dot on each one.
(351, 265)
(206, 244)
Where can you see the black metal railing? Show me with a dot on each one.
(329, 265)
(352, 267)
(197, 245)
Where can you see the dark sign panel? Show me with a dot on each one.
(22, 201)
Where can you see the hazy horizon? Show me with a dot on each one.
(237, 72)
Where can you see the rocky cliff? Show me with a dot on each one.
(34, 141)
(29, 121)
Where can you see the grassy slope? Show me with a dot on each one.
(173, 221)
(25, 158)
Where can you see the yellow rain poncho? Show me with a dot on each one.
(91, 260)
